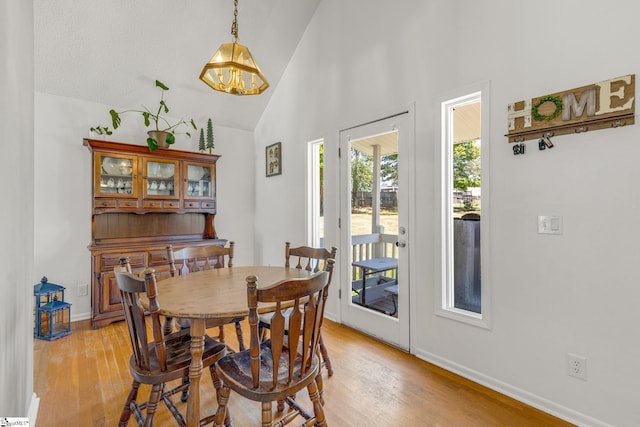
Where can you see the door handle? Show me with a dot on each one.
(401, 244)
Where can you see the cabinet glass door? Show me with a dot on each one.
(115, 176)
(160, 179)
(199, 182)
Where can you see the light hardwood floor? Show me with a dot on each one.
(83, 379)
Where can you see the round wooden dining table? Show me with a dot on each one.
(219, 293)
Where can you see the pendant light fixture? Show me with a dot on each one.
(232, 69)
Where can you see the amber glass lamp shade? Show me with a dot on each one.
(232, 69)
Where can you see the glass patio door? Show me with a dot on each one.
(374, 228)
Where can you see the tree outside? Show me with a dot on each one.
(361, 187)
(466, 174)
(361, 176)
(389, 169)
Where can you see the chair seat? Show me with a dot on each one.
(235, 372)
(178, 348)
(275, 370)
(158, 356)
(265, 319)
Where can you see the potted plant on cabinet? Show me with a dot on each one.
(101, 130)
(164, 133)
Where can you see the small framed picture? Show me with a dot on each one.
(273, 159)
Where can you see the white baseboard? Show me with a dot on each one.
(550, 407)
(330, 317)
(81, 316)
(523, 396)
(33, 410)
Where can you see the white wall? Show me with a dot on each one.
(16, 227)
(551, 295)
(63, 189)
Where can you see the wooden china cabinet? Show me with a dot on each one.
(143, 201)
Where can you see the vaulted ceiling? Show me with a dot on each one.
(112, 51)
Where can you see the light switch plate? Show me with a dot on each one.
(550, 224)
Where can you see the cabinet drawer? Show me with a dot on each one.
(152, 204)
(209, 205)
(158, 258)
(104, 203)
(161, 204)
(115, 203)
(127, 203)
(192, 205)
(108, 261)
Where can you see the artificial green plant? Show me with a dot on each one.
(201, 146)
(210, 136)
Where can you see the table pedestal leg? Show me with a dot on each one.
(363, 294)
(195, 372)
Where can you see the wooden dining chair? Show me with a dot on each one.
(276, 369)
(197, 258)
(311, 259)
(157, 358)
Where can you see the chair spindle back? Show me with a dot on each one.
(295, 325)
(314, 259)
(198, 258)
(130, 289)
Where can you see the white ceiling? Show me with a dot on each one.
(386, 142)
(466, 127)
(466, 122)
(112, 51)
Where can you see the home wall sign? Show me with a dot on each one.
(610, 103)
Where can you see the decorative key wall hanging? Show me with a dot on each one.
(607, 104)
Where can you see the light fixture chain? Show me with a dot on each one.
(232, 69)
(234, 25)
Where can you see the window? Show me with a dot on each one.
(315, 194)
(463, 293)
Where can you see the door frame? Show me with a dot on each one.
(408, 163)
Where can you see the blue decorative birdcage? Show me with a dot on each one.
(53, 314)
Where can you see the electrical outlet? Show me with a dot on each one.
(83, 290)
(577, 366)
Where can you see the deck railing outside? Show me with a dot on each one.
(466, 261)
(368, 246)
